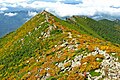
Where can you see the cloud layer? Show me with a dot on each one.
(10, 14)
(31, 14)
(67, 7)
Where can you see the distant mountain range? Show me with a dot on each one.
(10, 23)
(48, 48)
(12, 20)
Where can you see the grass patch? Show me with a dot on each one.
(51, 78)
(93, 73)
(99, 60)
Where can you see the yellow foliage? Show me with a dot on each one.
(67, 64)
(75, 77)
(42, 72)
(88, 59)
(82, 68)
(51, 72)
(99, 56)
(1, 67)
(95, 65)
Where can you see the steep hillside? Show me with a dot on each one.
(114, 24)
(84, 27)
(47, 48)
(104, 28)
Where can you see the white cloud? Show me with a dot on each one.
(3, 9)
(10, 14)
(58, 7)
(13, 1)
(88, 7)
(30, 13)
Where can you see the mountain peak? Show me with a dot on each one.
(44, 12)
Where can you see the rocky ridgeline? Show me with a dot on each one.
(52, 51)
(99, 61)
(109, 68)
(102, 63)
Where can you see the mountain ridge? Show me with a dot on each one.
(103, 28)
(48, 48)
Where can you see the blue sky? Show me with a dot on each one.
(66, 7)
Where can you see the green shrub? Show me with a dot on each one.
(56, 32)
